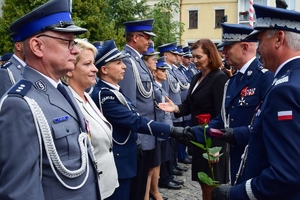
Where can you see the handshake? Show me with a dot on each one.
(183, 134)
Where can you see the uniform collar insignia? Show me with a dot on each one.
(283, 79)
(41, 85)
(249, 73)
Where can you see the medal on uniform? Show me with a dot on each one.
(242, 101)
(87, 127)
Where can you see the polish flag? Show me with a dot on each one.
(285, 115)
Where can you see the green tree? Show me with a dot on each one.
(90, 15)
(166, 29)
(87, 14)
(102, 18)
(11, 11)
(121, 11)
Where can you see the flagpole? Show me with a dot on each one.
(251, 11)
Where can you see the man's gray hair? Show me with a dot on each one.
(292, 39)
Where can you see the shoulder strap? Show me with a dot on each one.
(21, 88)
(119, 96)
(6, 65)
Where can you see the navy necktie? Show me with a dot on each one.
(64, 92)
(238, 77)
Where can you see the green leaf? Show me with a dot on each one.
(214, 150)
(208, 143)
(206, 179)
(198, 145)
(205, 155)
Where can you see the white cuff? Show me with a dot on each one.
(249, 190)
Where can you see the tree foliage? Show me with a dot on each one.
(165, 27)
(102, 18)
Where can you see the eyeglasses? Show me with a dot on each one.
(71, 43)
(147, 37)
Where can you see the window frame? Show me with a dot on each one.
(219, 14)
(193, 20)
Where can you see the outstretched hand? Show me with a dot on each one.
(168, 106)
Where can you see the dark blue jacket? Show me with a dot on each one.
(123, 121)
(272, 162)
(255, 82)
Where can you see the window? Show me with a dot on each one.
(219, 14)
(193, 17)
(291, 4)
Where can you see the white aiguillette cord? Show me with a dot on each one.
(44, 130)
(226, 125)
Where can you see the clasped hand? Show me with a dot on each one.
(183, 134)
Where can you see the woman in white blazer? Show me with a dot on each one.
(81, 78)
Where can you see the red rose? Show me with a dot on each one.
(203, 118)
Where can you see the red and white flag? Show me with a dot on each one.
(285, 115)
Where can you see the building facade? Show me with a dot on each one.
(203, 18)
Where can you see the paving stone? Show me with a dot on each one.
(191, 190)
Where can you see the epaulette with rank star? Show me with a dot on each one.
(127, 53)
(262, 69)
(20, 88)
(6, 65)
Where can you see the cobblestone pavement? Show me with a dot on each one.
(190, 190)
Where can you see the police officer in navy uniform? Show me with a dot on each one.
(172, 87)
(272, 170)
(45, 151)
(137, 85)
(186, 61)
(242, 94)
(120, 111)
(160, 75)
(184, 83)
(161, 94)
(12, 70)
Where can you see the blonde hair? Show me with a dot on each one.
(82, 44)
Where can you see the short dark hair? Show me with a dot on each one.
(128, 36)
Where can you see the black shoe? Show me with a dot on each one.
(178, 182)
(181, 168)
(170, 185)
(177, 172)
(186, 161)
